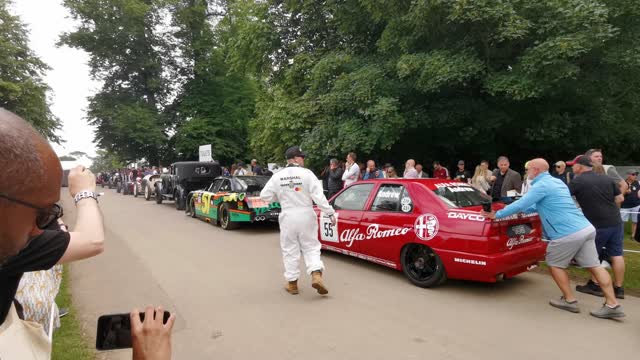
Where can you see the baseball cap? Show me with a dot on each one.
(582, 160)
(461, 162)
(632, 172)
(294, 151)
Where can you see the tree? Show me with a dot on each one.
(22, 89)
(441, 79)
(129, 53)
(213, 106)
(106, 161)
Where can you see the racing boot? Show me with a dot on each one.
(292, 287)
(317, 283)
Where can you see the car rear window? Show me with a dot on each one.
(460, 195)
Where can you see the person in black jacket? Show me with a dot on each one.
(334, 181)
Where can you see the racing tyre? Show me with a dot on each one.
(422, 266)
(147, 193)
(158, 195)
(191, 209)
(118, 189)
(225, 218)
(135, 190)
(180, 201)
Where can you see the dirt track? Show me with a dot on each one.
(227, 289)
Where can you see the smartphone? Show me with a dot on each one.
(114, 331)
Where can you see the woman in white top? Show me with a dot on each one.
(480, 180)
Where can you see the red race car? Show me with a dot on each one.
(431, 229)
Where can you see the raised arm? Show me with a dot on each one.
(87, 237)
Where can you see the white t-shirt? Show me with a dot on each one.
(351, 175)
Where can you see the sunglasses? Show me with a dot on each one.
(44, 216)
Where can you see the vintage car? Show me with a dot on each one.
(231, 201)
(133, 187)
(432, 230)
(115, 181)
(183, 178)
(149, 186)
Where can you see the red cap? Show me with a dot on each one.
(571, 162)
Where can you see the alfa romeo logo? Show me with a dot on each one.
(426, 226)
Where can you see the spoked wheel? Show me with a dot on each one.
(225, 218)
(422, 265)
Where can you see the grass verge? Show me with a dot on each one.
(68, 341)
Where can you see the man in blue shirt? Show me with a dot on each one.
(372, 171)
(570, 233)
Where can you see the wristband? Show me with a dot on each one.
(85, 195)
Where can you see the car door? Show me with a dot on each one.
(205, 202)
(348, 233)
(388, 223)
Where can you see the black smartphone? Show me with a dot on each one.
(486, 206)
(114, 331)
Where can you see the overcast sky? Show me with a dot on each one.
(69, 75)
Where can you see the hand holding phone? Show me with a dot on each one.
(151, 335)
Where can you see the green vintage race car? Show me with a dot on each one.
(231, 201)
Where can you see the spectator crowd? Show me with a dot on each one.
(34, 241)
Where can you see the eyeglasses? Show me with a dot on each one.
(44, 216)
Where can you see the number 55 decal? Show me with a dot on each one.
(328, 232)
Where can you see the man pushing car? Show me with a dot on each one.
(571, 237)
(297, 188)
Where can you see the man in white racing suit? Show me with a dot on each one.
(297, 188)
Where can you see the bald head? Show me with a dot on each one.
(536, 167)
(24, 152)
(29, 171)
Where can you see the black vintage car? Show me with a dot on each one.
(184, 177)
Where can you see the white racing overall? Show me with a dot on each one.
(296, 188)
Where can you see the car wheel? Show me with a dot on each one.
(224, 216)
(158, 195)
(180, 202)
(422, 266)
(118, 189)
(191, 209)
(147, 193)
(135, 190)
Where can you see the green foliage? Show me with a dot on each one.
(129, 54)
(22, 89)
(106, 161)
(441, 79)
(213, 106)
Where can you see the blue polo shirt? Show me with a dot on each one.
(549, 197)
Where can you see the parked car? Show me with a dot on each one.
(149, 186)
(431, 230)
(183, 178)
(231, 201)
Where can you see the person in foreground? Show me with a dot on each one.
(571, 237)
(297, 188)
(27, 208)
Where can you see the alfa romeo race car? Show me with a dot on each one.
(231, 201)
(432, 230)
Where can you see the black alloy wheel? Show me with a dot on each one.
(422, 266)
